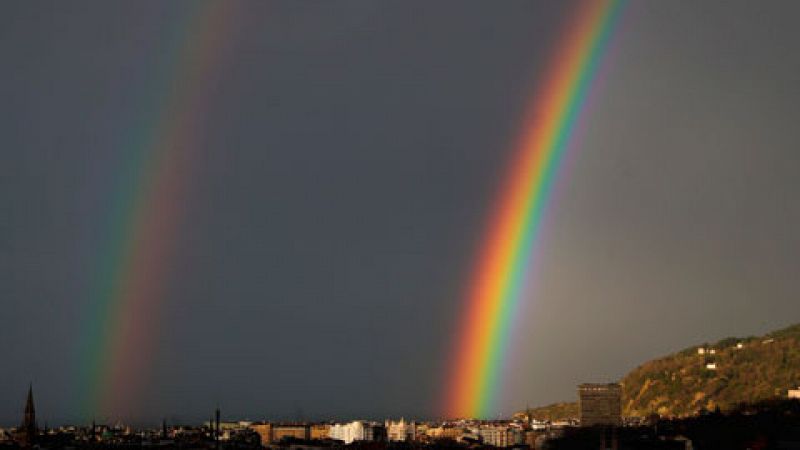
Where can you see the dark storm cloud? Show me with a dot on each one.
(350, 156)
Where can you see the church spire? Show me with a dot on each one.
(29, 429)
(30, 411)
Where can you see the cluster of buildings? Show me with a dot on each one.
(599, 410)
(496, 434)
(600, 405)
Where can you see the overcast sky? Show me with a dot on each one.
(349, 161)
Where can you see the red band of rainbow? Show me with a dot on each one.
(498, 276)
(153, 177)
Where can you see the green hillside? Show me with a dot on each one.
(682, 383)
(554, 412)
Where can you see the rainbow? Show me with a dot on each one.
(493, 296)
(152, 177)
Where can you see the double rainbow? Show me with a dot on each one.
(493, 296)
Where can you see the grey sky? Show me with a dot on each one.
(352, 153)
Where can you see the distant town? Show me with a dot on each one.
(736, 393)
(599, 422)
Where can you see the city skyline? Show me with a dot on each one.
(325, 176)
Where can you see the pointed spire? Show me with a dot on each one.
(29, 427)
(29, 409)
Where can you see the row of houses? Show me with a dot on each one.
(501, 434)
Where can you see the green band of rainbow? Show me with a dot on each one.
(151, 181)
(473, 384)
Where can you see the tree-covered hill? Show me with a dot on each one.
(554, 412)
(726, 373)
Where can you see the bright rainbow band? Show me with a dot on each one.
(473, 385)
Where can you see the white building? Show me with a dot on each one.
(348, 432)
(711, 366)
(539, 424)
(401, 431)
(794, 393)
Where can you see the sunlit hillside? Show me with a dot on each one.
(706, 376)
